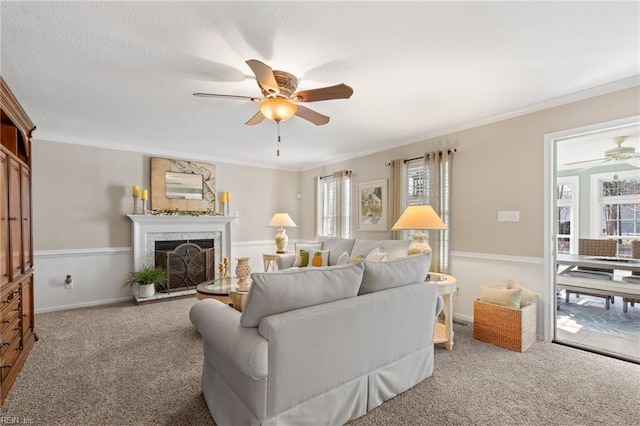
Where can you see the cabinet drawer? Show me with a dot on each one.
(9, 313)
(8, 293)
(10, 334)
(8, 358)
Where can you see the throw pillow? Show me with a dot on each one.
(527, 297)
(357, 259)
(307, 247)
(499, 296)
(377, 255)
(364, 247)
(394, 273)
(343, 259)
(304, 258)
(282, 291)
(318, 258)
(335, 245)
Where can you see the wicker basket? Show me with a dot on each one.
(506, 327)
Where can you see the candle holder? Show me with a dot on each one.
(144, 206)
(135, 204)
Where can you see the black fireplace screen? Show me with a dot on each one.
(188, 263)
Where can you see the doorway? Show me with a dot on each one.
(594, 193)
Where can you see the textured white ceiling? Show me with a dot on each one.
(122, 74)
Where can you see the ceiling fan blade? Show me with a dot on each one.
(587, 161)
(339, 91)
(216, 95)
(312, 116)
(264, 75)
(256, 119)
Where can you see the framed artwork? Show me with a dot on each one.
(372, 205)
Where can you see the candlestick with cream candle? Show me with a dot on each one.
(145, 196)
(134, 192)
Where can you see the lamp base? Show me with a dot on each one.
(419, 244)
(281, 240)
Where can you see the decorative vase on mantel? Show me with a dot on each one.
(243, 271)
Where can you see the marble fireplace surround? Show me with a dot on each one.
(147, 229)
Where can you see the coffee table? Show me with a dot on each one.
(220, 289)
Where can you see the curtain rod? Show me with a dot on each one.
(328, 176)
(422, 156)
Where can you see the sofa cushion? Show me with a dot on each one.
(298, 247)
(394, 273)
(322, 254)
(282, 291)
(377, 255)
(396, 248)
(364, 247)
(336, 247)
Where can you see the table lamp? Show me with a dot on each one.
(419, 218)
(280, 220)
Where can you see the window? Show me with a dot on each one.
(422, 188)
(567, 214)
(335, 205)
(618, 208)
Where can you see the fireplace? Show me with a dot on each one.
(187, 262)
(189, 247)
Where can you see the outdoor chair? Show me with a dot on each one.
(594, 247)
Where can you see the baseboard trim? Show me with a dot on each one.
(85, 305)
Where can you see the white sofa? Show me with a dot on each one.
(354, 247)
(318, 346)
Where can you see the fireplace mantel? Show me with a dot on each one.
(147, 229)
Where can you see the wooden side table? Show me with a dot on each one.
(269, 260)
(447, 286)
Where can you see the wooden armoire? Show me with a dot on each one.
(16, 253)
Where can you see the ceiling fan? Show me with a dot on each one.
(618, 153)
(281, 101)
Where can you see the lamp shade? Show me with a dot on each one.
(277, 109)
(281, 220)
(418, 218)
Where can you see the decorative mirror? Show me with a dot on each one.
(182, 185)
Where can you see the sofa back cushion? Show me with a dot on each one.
(336, 247)
(393, 248)
(394, 273)
(276, 292)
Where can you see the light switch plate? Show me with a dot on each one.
(509, 216)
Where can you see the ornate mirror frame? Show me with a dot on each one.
(159, 201)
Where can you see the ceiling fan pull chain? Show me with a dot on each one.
(278, 150)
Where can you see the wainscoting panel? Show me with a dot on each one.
(97, 277)
(98, 274)
(473, 269)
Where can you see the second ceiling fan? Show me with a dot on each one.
(281, 101)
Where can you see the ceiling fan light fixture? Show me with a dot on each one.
(277, 109)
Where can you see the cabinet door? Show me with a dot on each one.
(15, 224)
(27, 306)
(4, 221)
(25, 206)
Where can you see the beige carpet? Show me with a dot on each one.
(125, 364)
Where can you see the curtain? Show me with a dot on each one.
(398, 199)
(437, 175)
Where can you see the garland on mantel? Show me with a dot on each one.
(176, 212)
